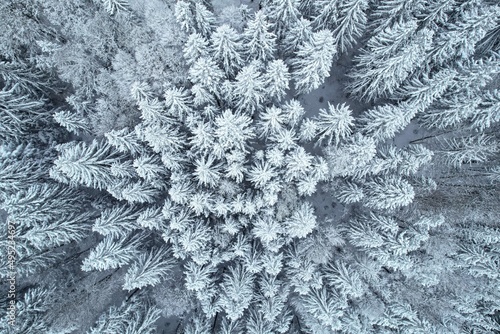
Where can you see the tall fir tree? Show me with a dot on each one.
(313, 61)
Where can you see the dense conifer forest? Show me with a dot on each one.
(253, 167)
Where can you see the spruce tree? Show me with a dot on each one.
(313, 61)
(259, 41)
(88, 165)
(351, 24)
(227, 48)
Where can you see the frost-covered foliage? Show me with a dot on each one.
(155, 144)
(133, 316)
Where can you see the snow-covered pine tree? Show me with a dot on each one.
(388, 193)
(62, 230)
(42, 202)
(111, 253)
(302, 221)
(345, 279)
(204, 18)
(451, 112)
(227, 48)
(89, 165)
(196, 47)
(326, 14)
(248, 91)
(460, 39)
(233, 130)
(207, 73)
(435, 14)
(207, 171)
(488, 112)
(178, 102)
(259, 41)
(117, 221)
(313, 61)
(351, 23)
(237, 291)
(137, 315)
(277, 78)
(115, 6)
(384, 65)
(150, 269)
(32, 311)
(22, 166)
(358, 151)
(72, 122)
(125, 141)
(468, 150)
(296, 36)
(20, 114)
(349, 192)
(184, 16)
(422, 92)
(390, 12)
(335, 123)
(283, 14)
(24, 78)
(383, 122)
(325, 306)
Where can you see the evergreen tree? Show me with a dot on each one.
(233, 130)
(196, 47)
(88, 165)
(297, 35)
(422, 92)
(72, 122)
(349, 192)
(383, 122)
(125, 141)
(284, 14)
(184, 16)
(178, 102)
(249, 89)
(259, 41)
(205, 20)
(388, 193)
(237, 292)
(301, 222)
(390, 12)
(327, 14)
(19, 114)
(390, 57)
(351, 23)
(206, 73)
(461, 38)
(207, 171)
(334, 123)
(57, 232)
(489, 111)
(150, 269)
(277, 78)
(111, 253)
(436, 13)
(32, 312)
(227, 48)
(271, 120)
(313, 61)
(117, 221)
(42, 202)
(475, 149)
(358, 152)
(114, 6)
(134, 316)
(22, 166)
